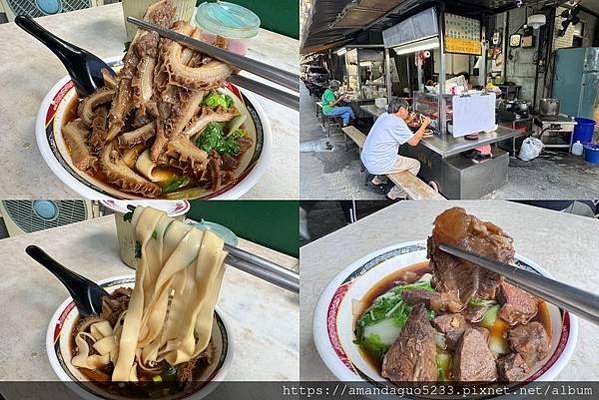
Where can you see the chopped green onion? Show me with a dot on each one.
(128, 217)
(157, 378)
(137, 249)
(175, 184)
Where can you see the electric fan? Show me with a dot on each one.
(26, 216)
(39, 8)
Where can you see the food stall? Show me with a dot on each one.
(446, 155)
(365, 74)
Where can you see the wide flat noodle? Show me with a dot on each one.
(171, 309)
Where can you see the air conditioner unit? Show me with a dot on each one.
(27, 216)
(40, 8)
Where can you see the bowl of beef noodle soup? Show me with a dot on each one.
(160, 334)
(169, 126)
(412, 313)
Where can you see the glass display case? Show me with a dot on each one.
(364, 73)
(428, 104)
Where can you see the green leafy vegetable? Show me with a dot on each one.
(382, 322)
(213, 138)
(490, 316)
(373, 345)
(137, 249)
(128, 217)
(216, 99)
(175, 184)
(157, 378)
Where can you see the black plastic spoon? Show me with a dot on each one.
(84, 68)
(86, 294)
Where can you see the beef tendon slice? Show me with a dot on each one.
(530, 341)
(461, 280)
(512, 368)
(412, 356)
(517, 305)
(473, 361)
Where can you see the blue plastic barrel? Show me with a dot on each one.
(591, 153)
(583, 131)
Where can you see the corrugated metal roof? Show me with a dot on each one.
(333, 23)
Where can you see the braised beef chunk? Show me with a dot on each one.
(518, 306)
(432, 300)
(530, 341)
(412, 355)
(115, 305)
(473, 361)
(484, 331)
(460, 279)
(185, 370)
(512, 368)
(452, 326)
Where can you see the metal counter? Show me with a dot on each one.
(456, 176)
(372, 110)
(447, 145)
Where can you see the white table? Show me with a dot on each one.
(266, 348)
(565, 245)
(28, 70)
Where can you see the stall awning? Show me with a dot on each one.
(333, 23)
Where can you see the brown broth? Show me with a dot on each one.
(390, 281)
(383, 286)
(71, 111)
(419, 269)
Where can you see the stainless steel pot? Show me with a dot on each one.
(549, 108)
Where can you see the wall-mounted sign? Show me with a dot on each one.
(462, 35)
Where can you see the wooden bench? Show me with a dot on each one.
(415, 188)
(354, 134)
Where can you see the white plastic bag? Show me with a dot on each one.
(531, 149)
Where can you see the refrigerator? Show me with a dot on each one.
(576, 81)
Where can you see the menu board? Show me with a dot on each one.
(462, 35)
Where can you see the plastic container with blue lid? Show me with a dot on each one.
(230, 21)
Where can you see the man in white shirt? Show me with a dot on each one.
(381, 156)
